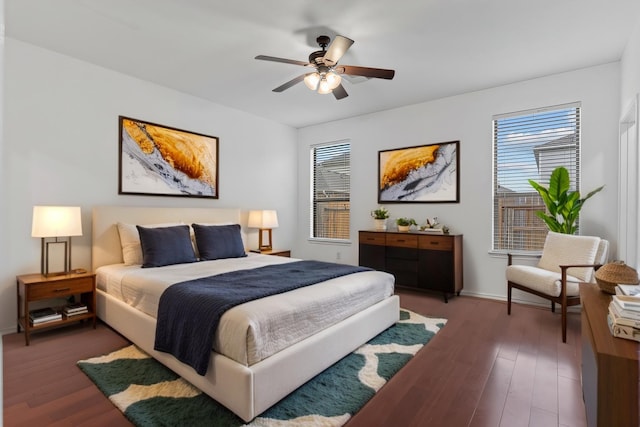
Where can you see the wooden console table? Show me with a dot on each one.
(610, 382)
(418, 261)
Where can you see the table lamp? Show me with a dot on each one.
(55, 225)
(264, 220)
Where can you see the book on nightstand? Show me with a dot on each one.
(75, 313)
(75, 308)
(44, 315)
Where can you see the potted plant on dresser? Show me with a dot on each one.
(380, 216)
(404, 224)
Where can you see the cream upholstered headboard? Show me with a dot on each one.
(106, 247)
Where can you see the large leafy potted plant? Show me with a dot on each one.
(563, 206)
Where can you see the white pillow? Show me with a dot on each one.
(130, 241)
(566, 249)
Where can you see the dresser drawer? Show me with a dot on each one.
(61, 288)
(402, 240)
(435, 243)
(368, 238)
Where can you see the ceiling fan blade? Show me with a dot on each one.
(354, 70)
(283, 60)
(290, 83)
(339, 92)
(337, 48)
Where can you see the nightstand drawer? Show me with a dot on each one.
(60, 288)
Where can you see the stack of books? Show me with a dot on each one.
(75, 308)
(624, 314)
(44, 315)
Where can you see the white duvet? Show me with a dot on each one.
(253, 331)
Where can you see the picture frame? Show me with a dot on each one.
(159, 160)
(420, 174)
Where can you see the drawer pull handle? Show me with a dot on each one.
(61, 290)
(435, 243)
(400, 241)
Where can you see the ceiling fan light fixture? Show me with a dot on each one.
(324, 87)
(312, 80)
(333, 79)
(327, 76)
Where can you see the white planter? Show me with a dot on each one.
(380, 224)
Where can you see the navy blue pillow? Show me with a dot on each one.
(166, 246)
(219, 241)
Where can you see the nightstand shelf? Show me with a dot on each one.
(36, 287)
(64, 320)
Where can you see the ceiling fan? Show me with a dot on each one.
(326, 78)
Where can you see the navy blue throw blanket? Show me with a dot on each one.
(189, 312)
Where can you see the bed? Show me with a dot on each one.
(247, 381)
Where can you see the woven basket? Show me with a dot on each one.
(616, 272)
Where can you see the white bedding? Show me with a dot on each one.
(253, 331)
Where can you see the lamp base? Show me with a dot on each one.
(45, 258)
(266, 246)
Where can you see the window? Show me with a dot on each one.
(530, 145)
(330, 192)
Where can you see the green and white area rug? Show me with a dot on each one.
(149, 394)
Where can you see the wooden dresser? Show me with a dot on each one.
(610, 382)
(419, 261)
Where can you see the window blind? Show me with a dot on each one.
(530, 145)
(331, 191)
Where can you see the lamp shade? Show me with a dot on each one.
(56, 221)
(263, 219)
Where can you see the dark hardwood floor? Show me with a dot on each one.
(483, 369)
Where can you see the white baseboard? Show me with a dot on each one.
(539, 303)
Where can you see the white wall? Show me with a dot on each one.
(468, 118)
(630, 69)
(60, 146)
(628, 209)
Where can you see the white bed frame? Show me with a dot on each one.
(246, 390)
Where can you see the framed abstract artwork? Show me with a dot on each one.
(420, 174)
(164, 161)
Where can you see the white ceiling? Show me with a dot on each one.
(438, 48)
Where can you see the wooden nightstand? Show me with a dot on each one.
(277, 252)
(36, 287)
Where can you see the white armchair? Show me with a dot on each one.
(566, 261)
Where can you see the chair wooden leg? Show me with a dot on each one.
(508, 298)
(553, 307)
